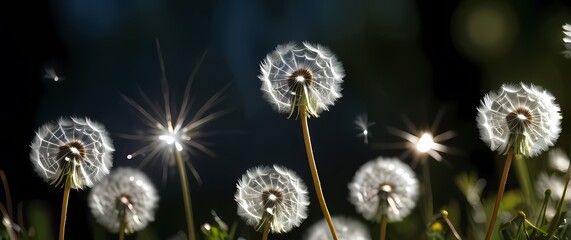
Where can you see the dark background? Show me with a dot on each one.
(401, 57)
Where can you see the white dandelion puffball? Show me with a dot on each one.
(76, 147)
(125, 195)
(558, 160)
(346, 228)
(272, 195)
(522, 118)
(384, 186)
(301, 78)
(567, 40)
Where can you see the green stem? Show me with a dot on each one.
(314, 175)
(185, 193)
(500, 194)
(266, 231)
(122, 226)
(557, 216)
(64, 202)
(523, 177)
(384, 221)
(428, 205)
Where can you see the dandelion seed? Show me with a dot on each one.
(301, 78)
(127, 197)
(524, 119)
(272, 196)
(76, 147)
(567, 40)
(384, 186)
(347, 228)
(362, 123)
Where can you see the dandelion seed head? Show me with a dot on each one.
(127, 193)
(523, 118)
(425, 143)
(304, 77)
(346, 228)
(384, 186)
(272, 195)
(75, 147)
(362, 124)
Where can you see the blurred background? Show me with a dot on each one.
(404, 60)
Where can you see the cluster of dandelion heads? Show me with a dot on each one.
(347, 229)
(73, 147)
(521, 118)
(567, 40)
(272, 195)
(384, 186)
(125, 195)
(304, 77)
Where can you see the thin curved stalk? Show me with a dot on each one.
(428, 205)
(185, 194)
(266, 231)
(500, 194)
(384, 221)
(64, 202)
(314, 174)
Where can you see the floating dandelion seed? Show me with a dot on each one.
(51, 74)
(272, 198)
(175, 135)
(125, 200)
(384, 186)
(524, 119)
(347, 228)
(567, 40)
(73, 153)
(362, 123)
(301, 78)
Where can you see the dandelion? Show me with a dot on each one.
(124, 202)
(174, 135)
(73, 153)
(520, 120)
(555, 183)
(304, 80)
(567, 40)
(272, 198)
(384, 190)
(347, 228)
(362, 123)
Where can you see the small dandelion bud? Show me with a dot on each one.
(384, 186)
(520, 118)
(73, 147)
(126, 195)
(272, 195)
(301, 78)
(554, 184)
(347, 228)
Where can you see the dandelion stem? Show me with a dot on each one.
(523, 177)
(266, 231)
(314, 175)
(64, 202)
(500, 194)
(384, 221)
(185, 193)
(122, 226)
(428, 208)
(555, 222)
(444, 214)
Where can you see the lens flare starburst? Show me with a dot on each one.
(170, 130)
